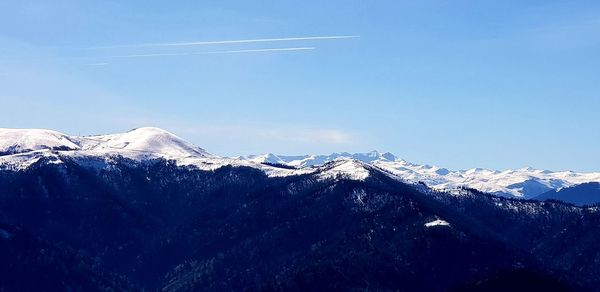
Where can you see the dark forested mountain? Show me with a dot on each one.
(28, 263)
(582, 194)
(155, 225)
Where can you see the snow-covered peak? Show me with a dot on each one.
(374, 155)
(315, 160)
(345, 167)
(265, 158)
(27, 147)
(147, 140)
(21, 148)
(22, 140)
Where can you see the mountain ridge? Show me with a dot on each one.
(525, 182)
(580, 195)
(19, 148)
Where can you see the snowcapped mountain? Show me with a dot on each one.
(14, 141)
(21, 148)
(525, 182)
(143, 141)
(313, 160)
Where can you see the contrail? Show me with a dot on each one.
(199, 43)
(211, 52)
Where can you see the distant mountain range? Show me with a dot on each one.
(525, 182)
(20, 147)
(147, 211)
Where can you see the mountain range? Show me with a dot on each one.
(146, 210)
(21, 147)
(522, 183)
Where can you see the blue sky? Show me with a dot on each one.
(494, 84)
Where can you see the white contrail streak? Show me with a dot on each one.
(211, 52)
(199, 43)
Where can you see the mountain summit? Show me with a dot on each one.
(144, 140)
(14, 141)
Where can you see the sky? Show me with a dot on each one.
(459, 84)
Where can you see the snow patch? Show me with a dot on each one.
(438, 222)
